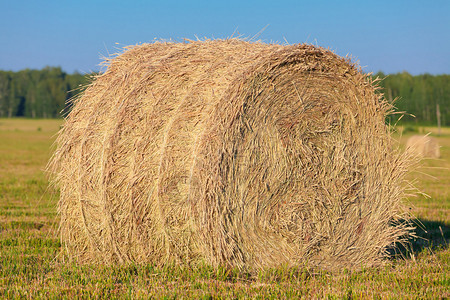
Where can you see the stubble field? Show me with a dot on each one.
(31, 264)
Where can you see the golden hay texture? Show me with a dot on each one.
(232, 153)
(424, 146)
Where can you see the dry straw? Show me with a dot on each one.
(232, 153)
(423, 146)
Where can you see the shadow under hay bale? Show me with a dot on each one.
(424, 146)
(241, 154)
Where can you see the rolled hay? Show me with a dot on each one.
(229, 153)
(423, 146)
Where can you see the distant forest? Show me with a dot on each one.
(38, 93)
(44, 94)
(419, 96)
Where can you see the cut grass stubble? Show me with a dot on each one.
(31, 264)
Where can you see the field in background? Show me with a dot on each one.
(432, 177)
(30, 264)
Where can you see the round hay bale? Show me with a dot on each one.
(423, 146)
(232, 153)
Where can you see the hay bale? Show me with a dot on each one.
(423, 146)
(240, 154)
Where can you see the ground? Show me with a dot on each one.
(31, 264)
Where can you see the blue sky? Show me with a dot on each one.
(389, 36)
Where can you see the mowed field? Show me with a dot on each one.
(31, 264)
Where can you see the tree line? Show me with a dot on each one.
(45, 94)
(38, 93)
(424, 98)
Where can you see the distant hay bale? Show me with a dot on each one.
(232, 153)
(424, 146)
